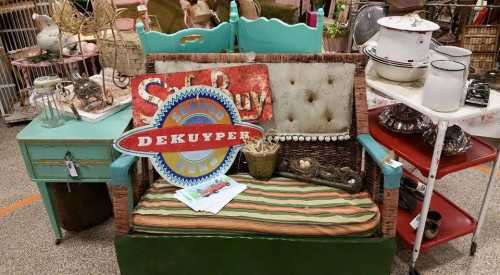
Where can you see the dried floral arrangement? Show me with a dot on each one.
(261, 146)
(262, 157)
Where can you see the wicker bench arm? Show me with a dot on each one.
(392, 176)
(122, 191)
(392, 179)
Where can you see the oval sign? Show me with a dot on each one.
(194, 137)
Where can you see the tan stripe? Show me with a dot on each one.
(281, 201)
(251, 206)
(306, 188)
(285, 182)
(254, 226)
(306, 195)
(277, 217)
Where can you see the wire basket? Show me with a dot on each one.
(130, 59)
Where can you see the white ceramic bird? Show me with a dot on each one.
(48, 37)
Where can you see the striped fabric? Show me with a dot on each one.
(279, 206)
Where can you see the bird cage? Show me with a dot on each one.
(17, 30)
(8, 87)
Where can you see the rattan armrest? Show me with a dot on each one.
(122, 191)
(392, 179)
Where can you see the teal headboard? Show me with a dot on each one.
(192, 40)
(261, 35)
(275, 36)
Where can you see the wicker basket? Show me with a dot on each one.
(130, 57)
(480, 43)
(483, 42)
(261, 166)
(483, 62)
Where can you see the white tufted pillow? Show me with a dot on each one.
(310, 100)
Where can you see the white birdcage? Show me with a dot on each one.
(17, 29)
(8, 87)
(18, 34)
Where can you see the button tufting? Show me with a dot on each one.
(330, 80)
(290, 117)
(292, 82)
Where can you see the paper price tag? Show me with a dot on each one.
(421, 188)
(141, 8)
(394, 163)
(71, 168)
(415, 222)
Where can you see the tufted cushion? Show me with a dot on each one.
(309, 99)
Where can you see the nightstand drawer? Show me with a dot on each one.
(79, 151)
(56, 169)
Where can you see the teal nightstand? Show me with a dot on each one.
(87, 145)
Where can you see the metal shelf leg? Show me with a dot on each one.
(485, 203)
(436, 155)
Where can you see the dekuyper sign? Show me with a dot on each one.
(195, 136)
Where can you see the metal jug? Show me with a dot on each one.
(444, 86)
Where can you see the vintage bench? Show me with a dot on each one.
(320, 111)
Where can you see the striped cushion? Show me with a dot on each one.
(279, 206)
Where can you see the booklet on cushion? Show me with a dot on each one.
(210, 196)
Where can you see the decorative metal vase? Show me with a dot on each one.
(43, 97)
(456, 141)
(402, 119)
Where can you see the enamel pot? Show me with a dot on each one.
(405, 38)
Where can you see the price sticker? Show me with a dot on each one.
(70, 166)
(415, 222)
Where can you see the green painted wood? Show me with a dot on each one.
(253, 255)
(275, 36)
(90, 145)
(104, 131)
(77, 151)
(192, 40)
(120, 175)
(59, 171)
(48, 201)
(392, 176)
(26, 157)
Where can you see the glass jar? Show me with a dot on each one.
(43, 98)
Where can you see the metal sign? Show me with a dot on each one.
(248, 87)
(194, 137)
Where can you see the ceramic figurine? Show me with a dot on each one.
(48, 37)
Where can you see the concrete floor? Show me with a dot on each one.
(27, 245)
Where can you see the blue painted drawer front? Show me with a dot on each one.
(78, 151)
(56, 169)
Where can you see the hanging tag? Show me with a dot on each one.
(68, 187)
(71, 168)
(141, 8)
(70, 165)
(415, 222)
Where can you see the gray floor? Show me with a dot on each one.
(27, 247)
